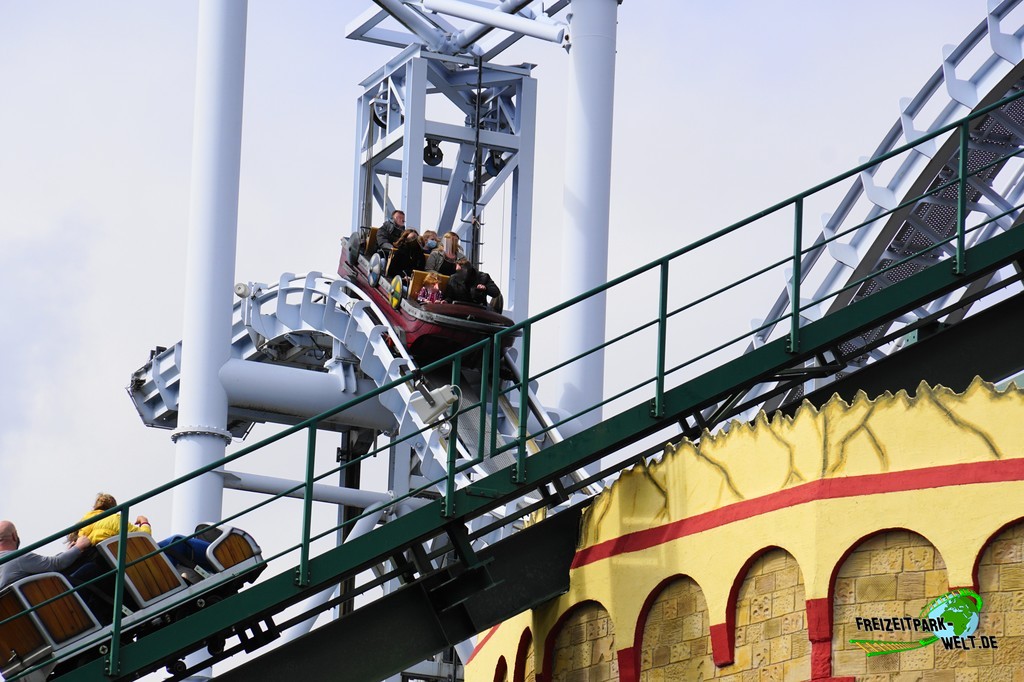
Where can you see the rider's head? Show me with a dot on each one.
(9, 539)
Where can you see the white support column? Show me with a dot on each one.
(362, 204)
(521, 238)
(413, 141)
(201, 437)
(585, 203)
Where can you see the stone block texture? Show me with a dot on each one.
(771, 629)
(584, 648)
(676, 642)
(891, 575)
(529, 666)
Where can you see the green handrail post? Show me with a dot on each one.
(448, 509)
(302, 573)
(114, 657)
(794, 323)
(658, 404)
(959, 264)
(485, 369)
(519, 470)
(495, 389)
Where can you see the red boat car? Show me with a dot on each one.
(429, 331)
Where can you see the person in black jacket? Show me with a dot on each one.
(390, 231)
(469, 285)
(406, 255)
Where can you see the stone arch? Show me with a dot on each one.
(1000, 571)
(766, 622)
(582, 645)
(525, 665)
(501, 670)
(891, 573)
(997, 536)
(673, 632)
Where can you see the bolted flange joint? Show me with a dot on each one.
(201, 431)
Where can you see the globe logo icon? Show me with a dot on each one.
(952, 619)
(959, 610)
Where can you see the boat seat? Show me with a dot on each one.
(149, 579)
(231, 548)
(417, 282)
(371, 242)
(33, 635)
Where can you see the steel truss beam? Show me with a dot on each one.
(400, 24)
(392, 130)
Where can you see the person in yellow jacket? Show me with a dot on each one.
(99, 531)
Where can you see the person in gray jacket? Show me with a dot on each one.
(442, 259)
(31, 563)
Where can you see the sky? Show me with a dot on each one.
(722, 108)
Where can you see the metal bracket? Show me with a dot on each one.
(459, 537)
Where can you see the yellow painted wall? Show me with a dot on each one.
(894, 438)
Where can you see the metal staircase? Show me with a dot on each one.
(427, 536)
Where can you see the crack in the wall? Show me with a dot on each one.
(841, 457)
(662, 490)
(963, 424)
(724, 472)
(883, 456)
(792, 474)
(834, 428)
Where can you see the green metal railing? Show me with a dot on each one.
(650, 390)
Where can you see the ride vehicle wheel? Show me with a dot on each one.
(396, 292)
(215, 645)
(177, 667)
(352, 249)
(208, 600)
(376, 267)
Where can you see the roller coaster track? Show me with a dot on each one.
(321, 342)
(908, 202)
(305, 322)
(935, 246)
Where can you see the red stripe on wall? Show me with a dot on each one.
(480, 644)
(825, 489)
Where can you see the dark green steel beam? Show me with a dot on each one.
(404, 628)
(557, 460)
(984, 344)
